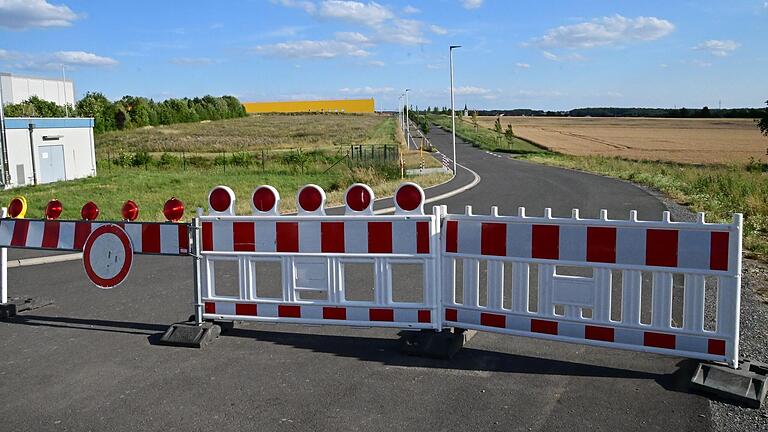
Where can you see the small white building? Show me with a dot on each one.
(45, 150)
(18, 88)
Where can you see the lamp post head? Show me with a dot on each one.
(455, 46)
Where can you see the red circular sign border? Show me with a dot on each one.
(124, 239)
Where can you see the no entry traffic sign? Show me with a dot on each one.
(107, 256)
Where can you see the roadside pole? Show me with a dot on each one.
(453, 109)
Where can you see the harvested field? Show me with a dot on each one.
(679, 140)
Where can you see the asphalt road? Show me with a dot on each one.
(89, 362)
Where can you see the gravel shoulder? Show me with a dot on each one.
(754, 331)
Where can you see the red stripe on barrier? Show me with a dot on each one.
(545, 241)
(598, 333)
(379, 237)
(246, 309)
(451, 315)
(716, 346)
(183, 239)
(601, 244)
(289, 311)
(425, 316)
(493, 239)
(493, 320)
(210, 307)
(150, 238)
(422, 237)
(287, 236)
(718, 250)
(659, 340)
(332, 237)
(207, 236)
(452, 236)
(381, 315)
(244, 237)
(20, 230)
(334, 313)
(82, 231)
(51, 234)
(544, 326)
(661, 247)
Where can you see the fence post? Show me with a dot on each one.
(4, 266)
(184, 160)
(196, 258)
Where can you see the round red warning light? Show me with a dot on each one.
(90, 211)
(173, 209)
(310, 198)
(408, 197)
(264, 199)
(358, 197)
(18, 207)
(53, 209)
(219, 199)
(130, 211)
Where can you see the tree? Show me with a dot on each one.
(763, 123)
(509, 133)
(474, 119)
(705, 112)
(497, 125)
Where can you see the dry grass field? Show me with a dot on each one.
(678, 140)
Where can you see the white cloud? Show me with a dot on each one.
(386, 26)
(411, 10)
(568, 57)
(525, 94)
(370, 13)
(318, 49)
(612, 30)
(378, 63)
(471, 90)
(82, 58)
(435, 66)
(471, 4)
(193, 61)
(701, 63)
(366, 90)
(523, 65)
(719, 48)
(436, 29)
(22, 14)
(352, 37)
(54, 61)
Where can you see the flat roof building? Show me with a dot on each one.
(332, 105)
(18, 88)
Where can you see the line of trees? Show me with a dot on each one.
(132, 111)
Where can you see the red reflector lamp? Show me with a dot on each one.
(53, 209)
(174, 209)
(90, 211)
(130, 211)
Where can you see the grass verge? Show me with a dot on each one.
(485, 138)
(718, 190)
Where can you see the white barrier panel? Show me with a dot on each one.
(313, 251)
(664, 273)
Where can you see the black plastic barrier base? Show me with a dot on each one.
(17, 305)
(434, 344)
(746, 385)
(190, 335)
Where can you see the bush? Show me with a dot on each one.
(241, 159)
(167, 159)
(141, 159)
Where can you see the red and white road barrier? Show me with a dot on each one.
(667, 274)
(646, 263)
(312, 249)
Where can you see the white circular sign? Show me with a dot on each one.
(107, 256)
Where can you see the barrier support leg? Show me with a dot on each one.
(194, 333)
(442, 344)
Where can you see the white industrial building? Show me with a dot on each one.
(36, 150)
(17, 88)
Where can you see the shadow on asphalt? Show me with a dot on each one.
(386, 351)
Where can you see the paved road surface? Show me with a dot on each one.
(88, 362)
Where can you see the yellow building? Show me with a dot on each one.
(341, 105)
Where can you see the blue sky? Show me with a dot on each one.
(515, 54)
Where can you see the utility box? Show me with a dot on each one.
(46, 150)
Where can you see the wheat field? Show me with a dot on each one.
(678, 140)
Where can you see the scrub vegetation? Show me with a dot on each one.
(150, 165)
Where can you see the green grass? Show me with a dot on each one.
(718, 190)
(485, 138)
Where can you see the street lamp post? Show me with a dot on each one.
(453, 108)
(407, 122)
